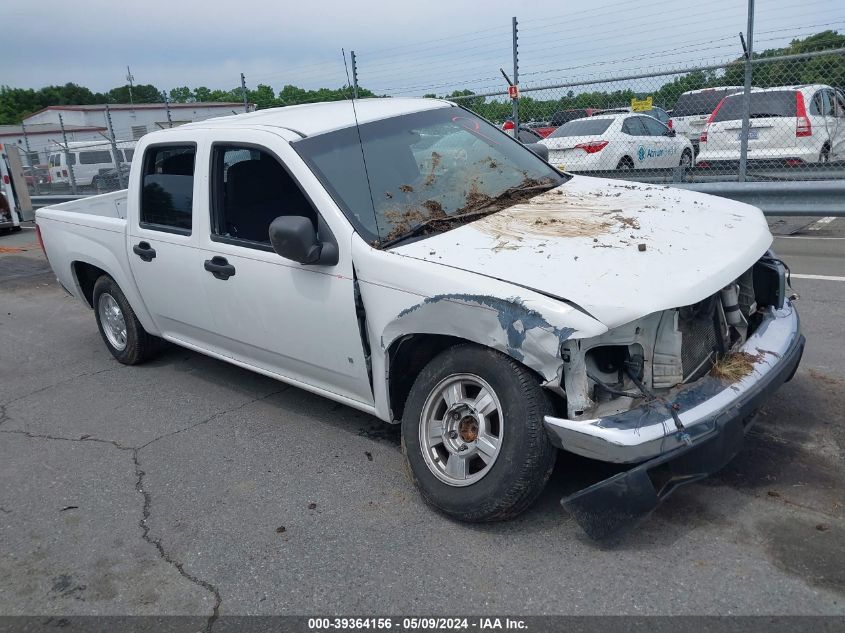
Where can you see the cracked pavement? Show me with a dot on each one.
(189, 486)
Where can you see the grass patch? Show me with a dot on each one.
(735, 366)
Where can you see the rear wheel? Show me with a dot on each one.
(625, 164)
(123, 334)
(473, 435)
(686, 159)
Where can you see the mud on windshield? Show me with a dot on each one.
(423, 173)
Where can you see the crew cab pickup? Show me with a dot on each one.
(406, 258)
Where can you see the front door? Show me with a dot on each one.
(294, 320)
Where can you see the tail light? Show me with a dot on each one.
(669, 124)
(803, 127)
(593, 146)
(794, 162)
(5, 179)
(64, 173)
(41, 241)
(508, 126)
(703, 137)
(703, 165)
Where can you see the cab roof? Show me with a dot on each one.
(315, 118)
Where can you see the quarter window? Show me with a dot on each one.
(250, 189)
(167, 191)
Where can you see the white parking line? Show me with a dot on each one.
(820, 277)
(820, 223)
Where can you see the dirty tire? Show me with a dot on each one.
(625, 164)
(140, 346)
(526, 457)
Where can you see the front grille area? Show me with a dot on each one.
(700, 340)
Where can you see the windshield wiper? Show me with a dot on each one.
(467, 214)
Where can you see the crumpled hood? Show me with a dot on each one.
(619, 250)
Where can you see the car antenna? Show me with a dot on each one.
(361, 145)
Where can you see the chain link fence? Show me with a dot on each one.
(686, 124)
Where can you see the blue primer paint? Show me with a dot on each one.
(509, 312)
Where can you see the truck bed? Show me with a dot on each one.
(109, 205)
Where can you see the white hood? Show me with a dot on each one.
(582, 242)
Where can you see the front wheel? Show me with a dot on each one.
(473, 435)
(123, 334)
(686, 159)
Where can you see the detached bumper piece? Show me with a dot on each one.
(715, 416)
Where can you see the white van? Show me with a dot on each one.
(88, 159)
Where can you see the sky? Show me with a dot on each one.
(403, 48)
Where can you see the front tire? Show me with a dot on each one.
(686, 159)
(473, 435)
(123, 334)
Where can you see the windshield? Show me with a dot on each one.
(763, 105)
(582, 127)
(699, 103)
(414, 179)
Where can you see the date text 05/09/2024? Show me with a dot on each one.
(417, 623)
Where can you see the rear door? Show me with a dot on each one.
(163, 241)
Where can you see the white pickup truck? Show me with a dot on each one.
(408, 259)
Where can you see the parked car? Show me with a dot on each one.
(617, 141)
(39, 174)
(563, 116)
(526, 133)
(694, 107)
(658, 113)
(87, 159)
(111, 179)
(467, 300)
(789, 126)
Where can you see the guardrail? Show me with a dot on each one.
(805, 198)
(796, 198)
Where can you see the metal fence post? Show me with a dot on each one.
(515, 80)
(29, 158)
(167, 107)
(354, 75)
(243, 92)
(746, 96)
(67, 156)
(116, 156)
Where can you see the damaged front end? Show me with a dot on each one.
(673, 392)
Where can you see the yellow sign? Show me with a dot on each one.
(642, 105)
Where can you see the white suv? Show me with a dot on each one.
(694, 107)
(789, 126)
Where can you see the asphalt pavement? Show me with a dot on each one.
(190, 486)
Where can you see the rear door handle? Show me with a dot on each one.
(219, 267)
(144, 251)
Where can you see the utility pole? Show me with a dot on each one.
(29, 159)
(515, 81)
(67, 156)
(167, 106)
(243, 92)
(130, 79)
(746, 97)
(354, 75)
(117, 160)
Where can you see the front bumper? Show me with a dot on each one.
(714, 416)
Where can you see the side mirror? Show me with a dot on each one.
(294, 237)
(541, 150)
(671, 132)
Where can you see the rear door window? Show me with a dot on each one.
(634, 126)
(167, 190)
(95, 157)
(776, 103)
(582, 127)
